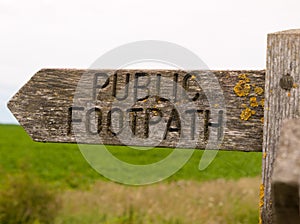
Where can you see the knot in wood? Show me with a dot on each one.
(286, 82)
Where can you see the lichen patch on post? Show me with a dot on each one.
(261, 201)
(253, 102)
(261, 195)
(258, 90)
(262, 103)
(264, 155)
(247, 113)
(244, 88)
(244, 77)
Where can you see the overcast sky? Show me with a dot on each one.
(225, 34)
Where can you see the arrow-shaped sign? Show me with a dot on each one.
(144, 107)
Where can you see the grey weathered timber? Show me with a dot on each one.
(282, 102)
(48, 110)
(286, 175)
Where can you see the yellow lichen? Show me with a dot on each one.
(247, 113)
(244, 77)
(262, 120)
(242, 88)
(262, 102)
(264, 155)
(242, 82)
(295, 85)
(260, 219)
(261, 195)
(258, 90)
(253, 102)
(289, 94)
(261, 201)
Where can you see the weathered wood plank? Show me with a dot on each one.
(286, 175)
(47, 109)
(282, 102)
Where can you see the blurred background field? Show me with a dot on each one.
(226, 192)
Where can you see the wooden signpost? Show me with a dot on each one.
(45, 106)
(52, 105)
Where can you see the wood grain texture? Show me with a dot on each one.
(286, 175)
(281, 103)
(43, 105)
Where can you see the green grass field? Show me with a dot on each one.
(225, 192)
(64, 165)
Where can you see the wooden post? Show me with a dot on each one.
(286, 175)
(282, 101)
